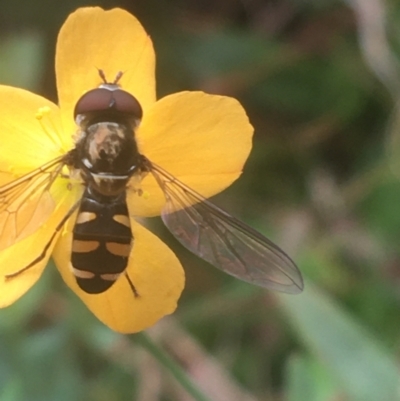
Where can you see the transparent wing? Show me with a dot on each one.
(26, 203)
(222, 240)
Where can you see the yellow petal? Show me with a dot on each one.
(111, 40)
(155, 272)
(13, 289)
(30, 127)
(18, 256)
(203, 140)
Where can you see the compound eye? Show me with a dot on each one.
(102, 99)
(126, 103)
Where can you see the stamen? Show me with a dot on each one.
(42, 112)
(47, 125)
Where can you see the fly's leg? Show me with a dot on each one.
(47, 246)
(133, 288)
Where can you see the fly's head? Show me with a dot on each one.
(107, 150)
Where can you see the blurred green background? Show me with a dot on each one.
(320, 82)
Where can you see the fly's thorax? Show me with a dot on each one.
(108, 147)
(108, 155)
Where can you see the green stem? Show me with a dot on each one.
(172, 366)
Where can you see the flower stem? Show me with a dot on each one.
(172, 366)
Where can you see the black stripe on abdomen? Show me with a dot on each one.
(102, 242)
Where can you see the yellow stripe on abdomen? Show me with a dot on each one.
(84, 217)
(122, 219)
(118, 249)
(80, 246)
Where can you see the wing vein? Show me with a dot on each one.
(221, 239)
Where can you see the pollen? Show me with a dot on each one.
(42, 111)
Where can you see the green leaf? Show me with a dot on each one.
(362, 366)
(308, 380)
(11, 390)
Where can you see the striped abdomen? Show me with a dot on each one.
(102, 242)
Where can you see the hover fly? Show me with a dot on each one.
(107, 159)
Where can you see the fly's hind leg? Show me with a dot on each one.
(132, 287)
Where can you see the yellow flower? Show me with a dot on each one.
(201, 139)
